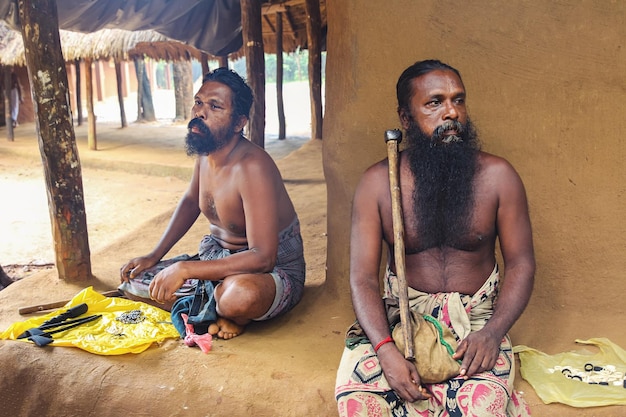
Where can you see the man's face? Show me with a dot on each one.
(214, 123)
(438, 102)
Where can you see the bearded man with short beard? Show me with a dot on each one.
(457, 201)
(251, 266)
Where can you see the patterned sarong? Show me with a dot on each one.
(361, 387)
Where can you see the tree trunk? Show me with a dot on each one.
(120, 93)
(313, 30)
(279, 77)
(5, 280)
(145, 106)
(183, 89)
(57, 142)
(255, 66)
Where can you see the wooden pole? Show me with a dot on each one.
(91, 115)
(57, 142)
(205, 63)
(255, 65)
(79, 99)
(393, 138)
(120, 93)
(279, 77)
(7, 103)
(313, 30)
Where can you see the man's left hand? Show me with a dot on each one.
(479, 351)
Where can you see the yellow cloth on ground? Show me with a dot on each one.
(106, 335)
(563, 378)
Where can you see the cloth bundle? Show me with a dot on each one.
(434, 347)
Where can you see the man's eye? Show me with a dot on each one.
(197, 103)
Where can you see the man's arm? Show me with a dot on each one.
(365, 256)
(480, 350)
(185, 215)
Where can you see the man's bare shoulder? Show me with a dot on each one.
(494, 163)
(496, 170)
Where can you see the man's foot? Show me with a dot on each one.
(225, 329)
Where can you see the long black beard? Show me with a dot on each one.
(205, 142)
(444, 172)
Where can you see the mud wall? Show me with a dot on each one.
(546, 86)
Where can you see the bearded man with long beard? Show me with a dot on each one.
(457, 201)
(251, 266)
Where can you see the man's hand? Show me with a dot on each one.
(133, 267)
(479, 351)
(401, 374)
(166, 282)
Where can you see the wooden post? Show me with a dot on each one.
(183, 90)
(79, 99)
(57, 142)
(255, 65)
(120, 93)
(205, 64)
(223, 61)
(279, 77)
(91, 116)
(7, 103)
(313, 30)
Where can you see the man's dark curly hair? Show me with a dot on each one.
(242, 93)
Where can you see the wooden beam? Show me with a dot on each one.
(255, 65)
(279, 76)
(314, 36)
(79, 97)
(280, 7)
(57, 142)
(120, 93)
(269, 22)
(7, 103)
(91, 115)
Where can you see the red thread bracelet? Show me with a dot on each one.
(387, 339)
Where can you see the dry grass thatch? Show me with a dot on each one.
(121, 44)
(104, 44)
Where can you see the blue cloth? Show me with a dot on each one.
(200, 308)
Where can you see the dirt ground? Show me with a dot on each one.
(131, 184)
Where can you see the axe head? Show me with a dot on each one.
(40, 340)
(35, 331)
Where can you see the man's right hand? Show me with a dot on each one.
(401, 374)
(133, 267)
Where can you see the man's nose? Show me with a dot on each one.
(451, 112)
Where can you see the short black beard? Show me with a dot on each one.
(205, 142)
(444, 174)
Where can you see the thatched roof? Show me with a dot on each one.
(103, 44)
(123, 44)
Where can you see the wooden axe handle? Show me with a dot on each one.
(393, 138)
(57, 304)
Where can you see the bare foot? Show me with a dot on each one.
(225, 329)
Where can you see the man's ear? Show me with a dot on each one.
(404, 118)
(241, 122)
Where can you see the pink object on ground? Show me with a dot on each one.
(203, 341)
